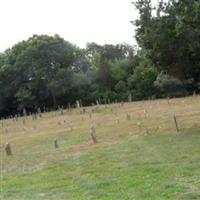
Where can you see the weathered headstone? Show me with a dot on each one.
(56, 144)
(97, 102)
(130, 97)
(39, 112)
(93, 134)
(8, 149)
(77, 104)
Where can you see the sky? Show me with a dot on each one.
(77, 21)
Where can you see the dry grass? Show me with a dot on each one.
(147, 117)
(32, 142)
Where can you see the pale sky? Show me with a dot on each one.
(77, 21)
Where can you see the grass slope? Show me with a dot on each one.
(142, 158)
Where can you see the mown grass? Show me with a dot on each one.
(129, 162)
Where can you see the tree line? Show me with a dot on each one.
(47, 71)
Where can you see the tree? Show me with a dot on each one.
(37, 69)
(170, 39)
(141, 83)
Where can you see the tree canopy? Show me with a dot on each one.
(47, 71)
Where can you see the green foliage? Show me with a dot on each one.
(49, 71)
(35, 72)
(171, 38)
(141, 82)
(169, 87)
(119, 70)
(120, 87)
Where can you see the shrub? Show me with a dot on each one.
(167, 86)
(120, 87)
(141, 83)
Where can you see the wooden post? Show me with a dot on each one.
(176, 123)
(56, 144)
(8, 149)
(93, 135)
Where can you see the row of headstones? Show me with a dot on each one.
(39, 111)
(128, 117)
(93, 135)
(61, 108)
(55, 142)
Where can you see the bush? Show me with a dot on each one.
(167, 86)
(104, 96)
(141, 83)
(120, 87)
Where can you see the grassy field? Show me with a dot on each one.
(143, 158)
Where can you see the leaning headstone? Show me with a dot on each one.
(39, 112)
(8, 149)
(81, 105)
(16, 118)
(61, 110)
(44, 109)
(130, 97)
(24, 112)
(93, 134)
(34, 116)
(77, 104)
(56, 146)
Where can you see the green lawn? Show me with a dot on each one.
(152, 167)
